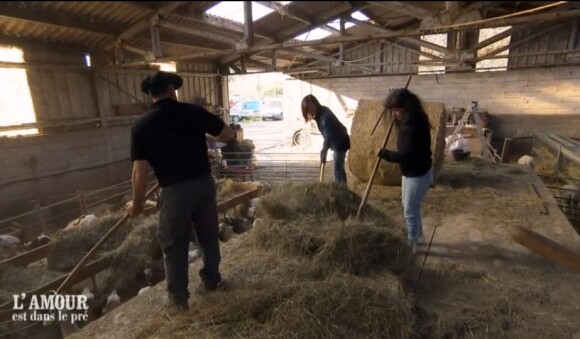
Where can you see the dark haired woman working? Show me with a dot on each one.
(334, 133)
(413, 157)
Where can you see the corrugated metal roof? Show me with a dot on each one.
(19, 28)
(114, 12)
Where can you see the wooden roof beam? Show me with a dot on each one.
(163, 11)
(286, 11)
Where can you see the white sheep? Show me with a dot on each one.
(84, 220)
(8, 241)
(113, 301)
(143, 290)
(193, 255)
(527, 160)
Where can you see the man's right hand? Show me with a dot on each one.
(323, 157)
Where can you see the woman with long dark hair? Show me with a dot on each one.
(333, 131)
(413, 157)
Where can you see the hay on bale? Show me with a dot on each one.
(363, 152)
(295, 200)
(24, 279)
(72, 244)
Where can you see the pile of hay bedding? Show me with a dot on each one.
(25, 279)
(290, 200)
(139, 249)
(69, 246)
(308, 269)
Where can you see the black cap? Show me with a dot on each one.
(161, 79)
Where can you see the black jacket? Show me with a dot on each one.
(333, 131)
(414, 149)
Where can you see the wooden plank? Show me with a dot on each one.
(103, 95)
(38, 93)
(51, 97)
(78, 109)
(555, 145)
(26, 258)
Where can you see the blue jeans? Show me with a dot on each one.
(339, 171)
(413, 191)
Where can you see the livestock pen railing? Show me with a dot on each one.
(52, 216)
(272, 167)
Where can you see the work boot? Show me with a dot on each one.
(204, 288)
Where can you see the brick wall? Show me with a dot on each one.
(551, 96)
(47, 167)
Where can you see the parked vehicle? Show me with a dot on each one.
(272, 109)
(245, 109)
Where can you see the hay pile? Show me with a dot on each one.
(24, 279)
(140, 249)
(363, 153)
(307, 269)
(71, 245)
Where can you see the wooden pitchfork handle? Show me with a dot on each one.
(322, 164)
(98, 245)
(375, 169)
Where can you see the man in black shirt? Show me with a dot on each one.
(171, 138)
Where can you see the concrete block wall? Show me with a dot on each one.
(521, 102)
(47, 167)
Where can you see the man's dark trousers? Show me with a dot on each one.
(186, 205)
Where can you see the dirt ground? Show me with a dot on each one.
(476, 282)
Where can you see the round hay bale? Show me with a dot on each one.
(364, 146)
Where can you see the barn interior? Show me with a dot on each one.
(71, 76)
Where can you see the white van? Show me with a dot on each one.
(272, 109)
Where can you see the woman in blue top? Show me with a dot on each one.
(333, 131)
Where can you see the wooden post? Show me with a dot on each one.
(557, 163)
(82, 202)
(249, 24)
(40, 214)
(504, 149)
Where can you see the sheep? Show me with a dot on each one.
(193, 255)
(41, 240)
(8, 241)
(570, 196)
(9, 245)
(84, 220)
(527, 160)
(143, 290)
(113, 301)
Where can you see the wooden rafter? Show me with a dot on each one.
(286, 11)
(165, 10)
